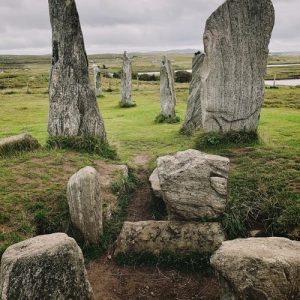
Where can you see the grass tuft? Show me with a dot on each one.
(83, 144)
(169, 120)
(216, 140)
(126, 105)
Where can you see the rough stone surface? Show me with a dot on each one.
(259, 268)
(155, 184)
(126, 81)
(194, 185)
(167, 90)
(73, 107)
(193, 119)
(236, 43)
(19, 142)
(85, 204)
(48, 267)
(165, 236)
(97, 80)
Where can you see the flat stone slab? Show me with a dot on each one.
(193, 185)
(259, 268)
(167, 236)
(48, 267)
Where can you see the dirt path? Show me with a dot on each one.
(112, 282)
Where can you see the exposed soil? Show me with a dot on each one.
(139, 208)
(113, 282)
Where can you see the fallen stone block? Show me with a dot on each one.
(165, 236)
(259, 268)
(48, 267)
(193, 185)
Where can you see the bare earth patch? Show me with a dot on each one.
(112, 282)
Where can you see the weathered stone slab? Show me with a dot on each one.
(97, 80)
(236, 41)
(259, 268)
(48, 267)
(193, 119)
(155, 184)
(85, 204)
(18, 143)
(167, 89)
(73, 106)
(126, 81)
(165, 236)
(194, 185)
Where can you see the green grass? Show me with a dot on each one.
(264, 177)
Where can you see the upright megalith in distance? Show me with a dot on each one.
(126, 82)
(47, 267)
(193, 119)
(236, 40)
(73, 106)
(85, 204)
(97, 80)
(167, 93)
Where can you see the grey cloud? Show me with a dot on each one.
(112, 26)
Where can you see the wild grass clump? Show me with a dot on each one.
(216, 140)
(192, 262)
(126, 105)
(261, 196)
(17, 144)
(122, 187)
(83, 144)
(169, 120)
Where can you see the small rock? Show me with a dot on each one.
(155, 184)
(18, 143)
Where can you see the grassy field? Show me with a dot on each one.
(264, 178)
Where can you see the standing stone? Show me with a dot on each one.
(258, 268)
(236, 42)
(48, 267)
(193, 119)
(126, 100)
(73, 106)
(167, 89)
(85, 204)
(193, 185)
(97, 80)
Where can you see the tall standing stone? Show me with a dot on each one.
(236, 42)
(126, 100)
(167, 89)
(193, 119)
(97, 80)
(48, 267)
(85, 204)
(73, 106)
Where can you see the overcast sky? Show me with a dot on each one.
(133, 25)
